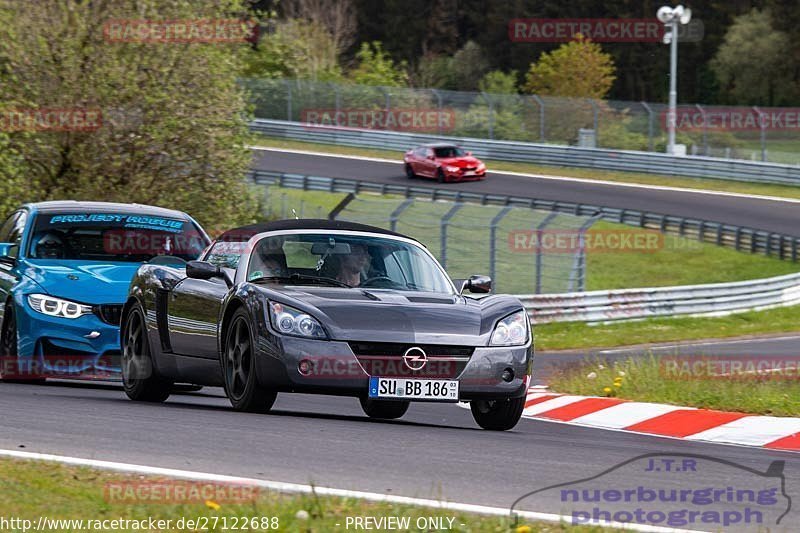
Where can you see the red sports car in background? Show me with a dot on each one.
(445, 162)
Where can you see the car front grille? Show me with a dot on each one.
(109, 313)
(386, 359)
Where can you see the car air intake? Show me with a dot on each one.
(386, 359)
(109, 313)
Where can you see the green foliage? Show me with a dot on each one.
(499, 82)
(375, 67)
(468, 65)
(174, 123)
(578, 68)
(298, 49)
(751, 64)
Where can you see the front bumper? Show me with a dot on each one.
(337, 370)
(53, 346)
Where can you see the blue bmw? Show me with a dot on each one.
(65, 267)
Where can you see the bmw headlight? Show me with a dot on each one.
(291, 321)
(513, 330)
(452, 168)
(52, 306)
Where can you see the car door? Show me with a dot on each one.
(428, 163)
(193, 312)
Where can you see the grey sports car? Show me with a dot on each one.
(328, 307)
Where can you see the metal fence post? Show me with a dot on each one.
(491, 114)
(445, 221)
(705, 129)
(492, 244)
(540, 103)
(288, 99)
(338, 97)
(578, 272)
(650, 143)
(542, 225)
(388, 102)
(595, 120)
(438, 96)
(763, 127)
(396, 213)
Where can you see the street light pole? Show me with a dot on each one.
(673, 87)
(672, 18)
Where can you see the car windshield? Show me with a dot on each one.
(449, 151)
(113, 236)
(346, 260)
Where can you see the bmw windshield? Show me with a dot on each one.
(119, 237)
(346, 260)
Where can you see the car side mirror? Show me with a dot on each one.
(475, 284)
(205, 270)
(9, 251)
(469, 153)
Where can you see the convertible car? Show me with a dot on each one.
(329, 307)
(65, 267)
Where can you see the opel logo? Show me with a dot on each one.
(415, 358)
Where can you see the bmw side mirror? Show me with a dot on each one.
(205, 270)
(8, 251)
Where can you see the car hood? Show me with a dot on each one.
(461, 162)
(382, 315)
(89, 282)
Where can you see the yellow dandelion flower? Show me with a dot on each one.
(523, 529)
(213, 505)
(618, 384)
(607, 390)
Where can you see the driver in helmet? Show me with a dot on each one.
(50, 246)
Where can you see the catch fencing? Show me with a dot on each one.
(729, 132)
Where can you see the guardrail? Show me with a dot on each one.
(545, 154)
(695, 300)
(737, 237)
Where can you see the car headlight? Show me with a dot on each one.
(513, 330)
(291, 321)
(52, 306)
(452, 169)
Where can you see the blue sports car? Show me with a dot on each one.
(65, 267)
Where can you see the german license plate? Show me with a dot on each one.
(469, 173)
(413, 389)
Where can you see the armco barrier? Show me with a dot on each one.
(696, 300)
(741, 238)
(544, 154)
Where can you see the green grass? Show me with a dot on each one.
(578, 335)
(654, 379)
(29, 490)
(711, 184)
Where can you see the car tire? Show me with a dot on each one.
(440, 177)
(497, 415)
(239, 368)
(410, 172)
(140, 380)
(9, 354)
(385, 409)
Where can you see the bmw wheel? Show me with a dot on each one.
(239, 368)
(9, 362)
(410, 172)
(139, 377)
(497, 415)
(386, 409)
(440, 177)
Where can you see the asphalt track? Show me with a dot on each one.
(771, 215)
(435, 451)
